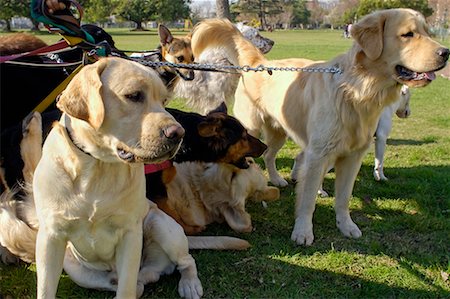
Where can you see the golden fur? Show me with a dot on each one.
(332, 116)
(202, 193)
(89, 188)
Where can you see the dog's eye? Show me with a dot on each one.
(136, 97)
(180, 58)
(409, 34)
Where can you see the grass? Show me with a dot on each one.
(405, 248)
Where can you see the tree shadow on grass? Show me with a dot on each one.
(394, 142)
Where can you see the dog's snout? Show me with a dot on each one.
(174, 132)
(444, 53)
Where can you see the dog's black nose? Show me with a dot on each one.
(174, 132)
(444, 53)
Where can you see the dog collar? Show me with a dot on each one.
(151, 168)
(69, 134)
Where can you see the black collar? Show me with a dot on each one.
(69, 134)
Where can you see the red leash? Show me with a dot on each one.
(58, 46)
(151, 168)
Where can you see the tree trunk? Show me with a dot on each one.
(139, 26)
(8, 25)
(223, 9)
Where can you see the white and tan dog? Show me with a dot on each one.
(332, 116)
(384, 127)
(89, 186)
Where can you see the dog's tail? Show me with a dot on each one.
(222, 34)
(217, 243)
(19, 227)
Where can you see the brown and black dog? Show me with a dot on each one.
(216, 137)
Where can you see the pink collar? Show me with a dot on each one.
(151, 168)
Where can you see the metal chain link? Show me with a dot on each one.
(245, 68)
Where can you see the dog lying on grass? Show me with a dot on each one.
(202, 193)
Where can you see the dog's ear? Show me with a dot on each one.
(207, 129)
(165, 37)
(82, 98)
(368, 33)
(221, 108)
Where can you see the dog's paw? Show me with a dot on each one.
(139, 289)
(302, 233)
(190, 288)
(379, 176)
(322, 193)
(279, 181)
(348, 228)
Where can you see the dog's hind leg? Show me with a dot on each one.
(275, 138)
(90, 278)
(31, 144)
(166, 245)
(346, 171)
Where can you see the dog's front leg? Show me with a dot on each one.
(49, 262)
(346, 169)
(128, 258)
(310, 178)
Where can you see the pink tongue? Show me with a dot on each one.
(430, 76)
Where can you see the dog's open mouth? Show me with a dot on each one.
(125, 155)
(406, 74)
(242, 163)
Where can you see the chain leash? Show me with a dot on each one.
(235, 68)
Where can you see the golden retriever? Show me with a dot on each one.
(89, 185)
(202, 193)
(332, 116)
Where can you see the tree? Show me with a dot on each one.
(171, 10)
(300, 13)
(99, 10)
(13, 8)
(223, 9)
(367, 6)
(260, 8)
(137, 11)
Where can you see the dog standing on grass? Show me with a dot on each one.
(332, 116)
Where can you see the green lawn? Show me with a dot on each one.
(405, 248)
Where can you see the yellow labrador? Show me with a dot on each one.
(332, 116)
(89, 185)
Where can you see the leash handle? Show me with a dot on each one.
(61, 20)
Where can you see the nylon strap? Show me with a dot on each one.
(57, 46)
(52, 96)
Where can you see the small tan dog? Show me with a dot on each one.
(89, 185)
(202, 193)
(332, 116)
